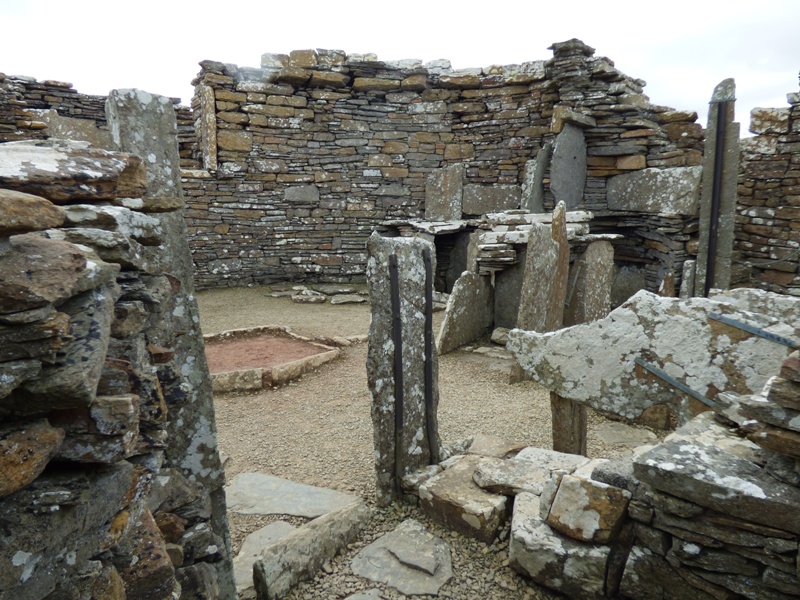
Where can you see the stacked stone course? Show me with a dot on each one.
(304, 157)
(767, 234)
(112, 485)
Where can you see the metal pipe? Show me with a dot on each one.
(430, 428)
(716, 193)
(397, 339)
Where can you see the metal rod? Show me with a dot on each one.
(397, 339)
(767, 335)
(716, 193)
(574, 284)
(674, 382)
(429, 416)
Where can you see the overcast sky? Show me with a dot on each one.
(681, 48)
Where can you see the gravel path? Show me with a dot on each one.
(318, 431)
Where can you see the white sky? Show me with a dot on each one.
(681, 48)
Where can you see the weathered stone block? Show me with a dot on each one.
(443, 192)
(453, 499)
(568, 166)
(372, 84)
(409, 559)
(769, 121)
(587, 510)
(63, 171)
(572, 568)
(469, 313)
(20, 213)
(674, 191)
(299, 555)
(235, 141)
(35, 272)
(25, 449)
(711, 467)
(483, 199)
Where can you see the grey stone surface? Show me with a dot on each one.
(380, 372)
(259, 494)
(707, 465)
(760, 301)
(371, 594)
(469, 312)
(627, 281)
(72, 380)
(568, 166)
(721, 262)
(508, 287)
(143, 228)
(454, 500)
(481, 199)
(529, 471)
(646, 571)
(591, 278)
(573, 568)
(544, 284)
(300, 555)
(588, 511)
(145, 125)
(443, 193)
(594, 363)
(409, 559)
(687, 279)
(251, 550)
(533, 185)
(57, 170)
(672, 191)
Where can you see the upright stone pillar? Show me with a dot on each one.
(419, 437)
(592, 275)
(444, 193)
(144, 124)
(544, 283)
(718, 192)
(533, 185)
(568, 168)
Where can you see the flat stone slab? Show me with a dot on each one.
(529, 471)
(371, 594)
(409, 559)
(259, 494)
(707, 465)
(453, 499)
(674, 191)
(251, 550)
(491, 445)
(595, 363)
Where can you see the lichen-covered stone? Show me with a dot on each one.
(587, 510)
(673, 191)
(570, 567)
(594, 363)
(64, 171)
(35, 272)
(469, 312)
(454, 500)
(417, 445)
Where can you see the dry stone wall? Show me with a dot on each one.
(301, 159)
(767, 234)
(112, 485)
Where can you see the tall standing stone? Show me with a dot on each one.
(443, 193)
(568, 167)
(469, 314)
(544, 284)
(591, 280)
(144, 124)
(718, 191)
(533, 185)
(415, 451)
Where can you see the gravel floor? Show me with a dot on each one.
(318, 431)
